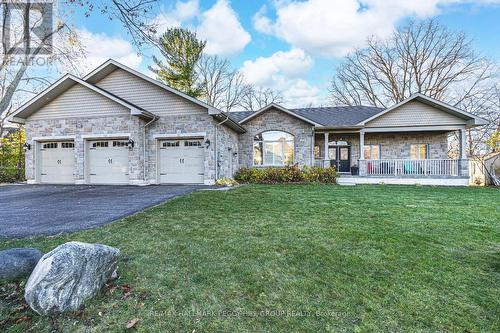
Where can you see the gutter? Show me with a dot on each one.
(144, 145)
(216, 147)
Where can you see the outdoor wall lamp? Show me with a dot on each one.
(207, 143)
(130, 144)
(26, 146)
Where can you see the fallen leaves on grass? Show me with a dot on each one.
(131, 324)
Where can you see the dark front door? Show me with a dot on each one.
(340, 158)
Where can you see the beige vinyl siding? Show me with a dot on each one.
(147, 95)
(415, 113)
(79, 101)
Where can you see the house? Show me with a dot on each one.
(119, 126)
(485, 170)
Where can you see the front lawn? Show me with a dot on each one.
(295, 258)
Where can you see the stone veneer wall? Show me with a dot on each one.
(274, 120)
(79, 127)
(184, 125)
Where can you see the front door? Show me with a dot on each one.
(340, 158)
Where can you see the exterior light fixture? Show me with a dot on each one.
(26, 146)
(130, 144)
(207, 143)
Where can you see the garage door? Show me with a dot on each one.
(181, 161)
(57, 162)
(108, 162)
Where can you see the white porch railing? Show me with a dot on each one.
(437, 167)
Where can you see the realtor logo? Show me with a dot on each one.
(27, 27)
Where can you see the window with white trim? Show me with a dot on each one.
(419, 151)
(120, 143)
(170, 144)
(273, 148)
(192, 143)
(371, 152)
(67, 145)
(101, 144)
(50, 145)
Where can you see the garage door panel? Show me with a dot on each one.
(181, 161)
(57, 162)
(108, 162)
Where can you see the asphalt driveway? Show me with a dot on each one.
(27, 210)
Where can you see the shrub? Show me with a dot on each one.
(226, 182)
(287, 174)
(12, 157)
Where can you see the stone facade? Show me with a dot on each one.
(194, 125)
(275, 120)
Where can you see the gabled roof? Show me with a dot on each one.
(280, 108)
(111, 65)
(61, 86)
(472, 120)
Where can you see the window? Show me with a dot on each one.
(192, 143)
(120, 143)
(419, 151)
(67, 145)
(170, 144)
(273, 148)
(50, 145)
(100, 144)
(371, 152)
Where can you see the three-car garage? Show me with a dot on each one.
(106, 161)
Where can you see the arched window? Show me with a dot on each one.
(273, 148)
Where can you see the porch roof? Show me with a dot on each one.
(336, 116)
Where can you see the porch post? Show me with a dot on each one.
(313, 144)
(463, 166)
(326, 162)
(362, 165)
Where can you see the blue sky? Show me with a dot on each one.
(290, 45)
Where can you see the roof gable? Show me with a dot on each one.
(274, 106)
(468, 118)
(61, 86)
(111, 65)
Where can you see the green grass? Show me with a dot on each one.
(356, 259)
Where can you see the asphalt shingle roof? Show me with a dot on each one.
(326, 116)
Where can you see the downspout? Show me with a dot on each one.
(144, 145)
(215, 148)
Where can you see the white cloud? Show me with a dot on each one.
(264, 70)
(181, 12)
(100, 47)
(331, 28)
(283, 71)
(218, 25)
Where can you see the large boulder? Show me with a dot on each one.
(68, 275)
(18, 262)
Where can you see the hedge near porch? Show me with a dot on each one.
(287, 174)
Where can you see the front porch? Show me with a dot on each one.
(414, 156)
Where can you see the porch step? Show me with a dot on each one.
(346, 181)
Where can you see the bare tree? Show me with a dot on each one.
(223, 87)
(19, 75)
(136, 17)
(423, 57)
(257, 97)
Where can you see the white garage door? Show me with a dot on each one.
(181, 161)
(57, 162)
(108, 162)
